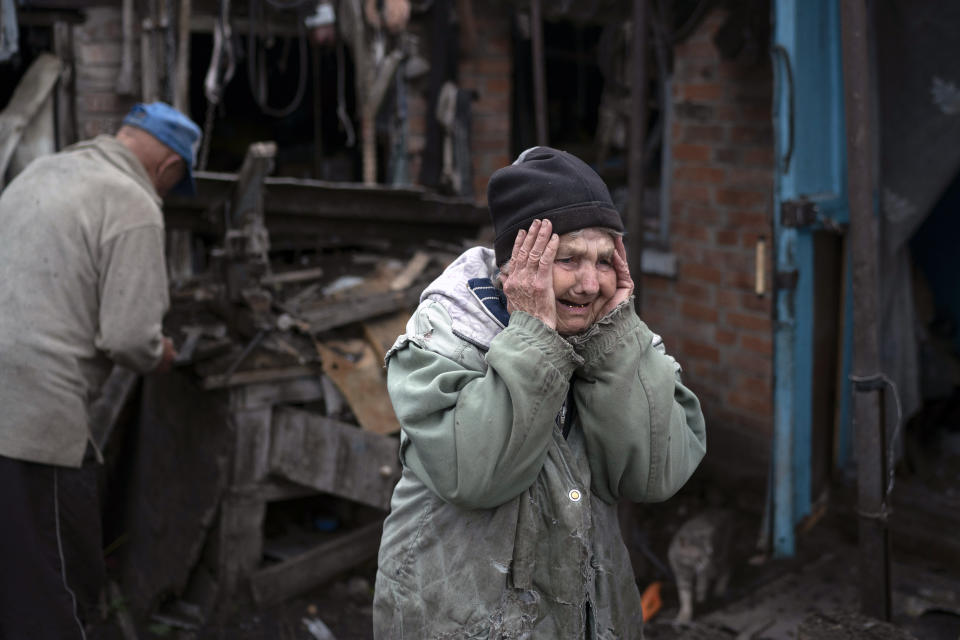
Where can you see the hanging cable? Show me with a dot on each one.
(257, 76)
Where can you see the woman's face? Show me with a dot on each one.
(584, 279)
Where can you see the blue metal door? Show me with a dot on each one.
(810, 195)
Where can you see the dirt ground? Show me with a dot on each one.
(767, 599)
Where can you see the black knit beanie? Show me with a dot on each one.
(545, 183)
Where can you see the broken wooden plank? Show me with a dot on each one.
(382, 332)
(334, 457)
(275, 584)
(359, 308)
(256, 376)
(252, 446)
(411, 272)
(291, 277)
(29, 96)
(114, 396)
(358, 373)
(189, 440)
(294, 390)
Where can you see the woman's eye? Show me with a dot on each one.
(563, 260)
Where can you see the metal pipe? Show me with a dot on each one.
(539, 72)
(638, 126)
(874, 540)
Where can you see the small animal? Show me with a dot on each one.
(699, 555)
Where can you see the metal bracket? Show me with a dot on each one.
(799, 213)
(786, 280)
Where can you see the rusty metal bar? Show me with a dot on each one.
(638, 126)
(539, 72)
(874, 538)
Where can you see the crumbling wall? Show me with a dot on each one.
(98, 47)
(721, 199)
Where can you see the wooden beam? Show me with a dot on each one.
(317, 566)
(27, 100)
(359, 308)
(334, 457)
(868, 421)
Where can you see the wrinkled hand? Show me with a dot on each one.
(529, 282)
(624, 281)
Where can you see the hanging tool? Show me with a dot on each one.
(219, 74)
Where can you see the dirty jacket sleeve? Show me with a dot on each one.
(477, 434)
(644, 430)
(133, 298)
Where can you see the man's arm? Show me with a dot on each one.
(644, 430)
(133, 299)
(479, 438)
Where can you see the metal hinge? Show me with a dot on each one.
(800, 212)
(786, 279)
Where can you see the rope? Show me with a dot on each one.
(207, 136)
(257, 74)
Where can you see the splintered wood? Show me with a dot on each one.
(358, 373)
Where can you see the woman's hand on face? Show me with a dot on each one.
(529, 282)
(624, 281)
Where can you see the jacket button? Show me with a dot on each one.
(575, 495)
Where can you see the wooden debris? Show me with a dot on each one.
(27, 100)
(382, 332)
(411, 272)
(114, 396)
(291, 277)
(359, 308)
(256, 376)
(334, 457)
(358, 373)
(317, 566)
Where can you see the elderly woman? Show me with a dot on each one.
(532, 400)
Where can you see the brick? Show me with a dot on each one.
(703, 92)
(100, 54)
(694, 111)
(690, 231)
(485, 125)
(497, 85)
(497, 66)
(763, 346)
(708, 175)
(701, 272)
(699, 312)
(752, 135)
(749, 220)
(727, 155)
(749, 321)
(727, 299)
(751, 363)
(741, 198)
(686, 152)
(758, 157)
(724, 336)
(750, 178)
(699, 350)
(757, 403)
(727, 238)
(693, 49)
(694, 290)
(753, 302)
(99, 103)
(743, 279)
(691, 193)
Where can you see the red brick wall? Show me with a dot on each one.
(97, 44)
(487, 69)
(722, 193)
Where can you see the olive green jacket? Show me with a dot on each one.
(501, 527)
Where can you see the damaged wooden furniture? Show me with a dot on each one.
(211, 462)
